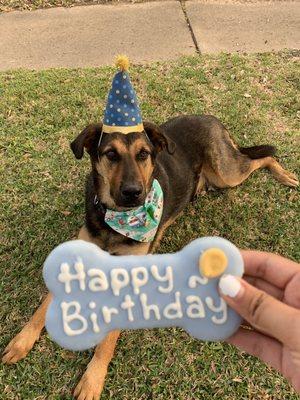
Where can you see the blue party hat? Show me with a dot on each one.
(122, 113)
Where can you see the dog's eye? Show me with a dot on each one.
(142, 155)
(112, 155)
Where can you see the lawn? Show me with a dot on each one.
(42, 205)
(21, 5)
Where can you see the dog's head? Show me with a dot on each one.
(122, 165)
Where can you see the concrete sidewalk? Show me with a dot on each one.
(93, 35)
(249, 27)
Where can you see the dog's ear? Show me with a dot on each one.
(87, 139)
(158, 138)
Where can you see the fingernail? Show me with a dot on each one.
(229, 285)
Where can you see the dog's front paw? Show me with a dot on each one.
(90, 385)
(19, 346)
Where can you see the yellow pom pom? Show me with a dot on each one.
(213, 262)
(122, 62)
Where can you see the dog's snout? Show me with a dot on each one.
(131, 191)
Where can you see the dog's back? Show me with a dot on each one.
(204, 144)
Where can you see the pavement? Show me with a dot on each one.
(88, 36)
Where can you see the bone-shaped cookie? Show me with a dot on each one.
(95, 293)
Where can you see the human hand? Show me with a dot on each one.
(268, 298)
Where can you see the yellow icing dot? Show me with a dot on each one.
(122, 62)
(213, 262)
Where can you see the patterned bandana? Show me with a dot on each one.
(140, 223)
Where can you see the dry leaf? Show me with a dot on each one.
(239, 380)
(66, 212)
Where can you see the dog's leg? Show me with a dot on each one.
(201, 185)
(227, 165)
(283, 176)
(240, 171)
(21, 344)
(91, 384)
(279, 173)
(154, 245)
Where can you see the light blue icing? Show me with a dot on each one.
(207, 323)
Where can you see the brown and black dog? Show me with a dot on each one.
(186, 154)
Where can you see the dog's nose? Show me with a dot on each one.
(131, 192)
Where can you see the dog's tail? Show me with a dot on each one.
(255, 152)
(264, 152)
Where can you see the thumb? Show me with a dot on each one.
(261, 310)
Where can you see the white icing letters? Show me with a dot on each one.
(194, 280)
(156, 283)
(173, 310)
(92, 305)
(107, 313)
(196, 307)
(98, 282)
(222, 308)
(93, 317)
(66, 277)
(147, 308)
(119, 280)
(75, 316)
(168, 277)
(127, 305)
(139, 277)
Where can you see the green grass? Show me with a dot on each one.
(29, 5)
(42, 205)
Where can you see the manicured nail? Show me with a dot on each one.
(229, 285)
